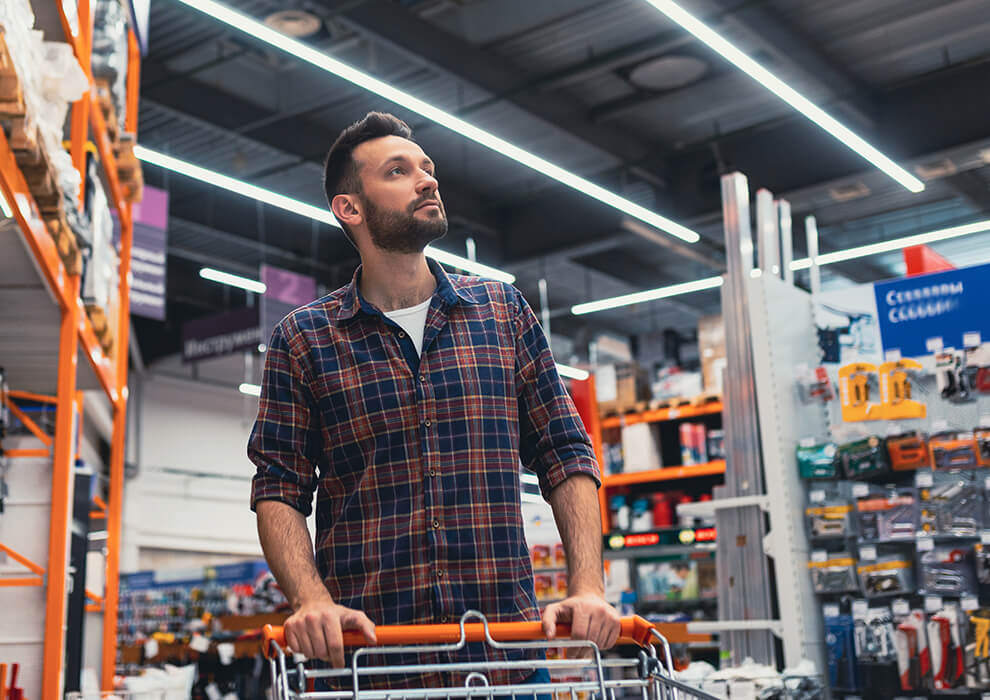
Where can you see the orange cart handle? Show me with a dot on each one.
(635, 630)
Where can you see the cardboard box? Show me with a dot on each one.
(711, 350)
(619, 387)
(641, 450)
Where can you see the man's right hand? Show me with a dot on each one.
(316, 628)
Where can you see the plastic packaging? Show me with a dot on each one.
(886, 513)
(818, 461)
(952, 503)
(843, 673)
(835, 573)
(864, 458)
(947, 571)
(889, 575)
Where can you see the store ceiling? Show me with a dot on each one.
(609, 89)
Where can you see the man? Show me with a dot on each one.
(406, 401)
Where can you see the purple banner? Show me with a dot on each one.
(221, 334)
(148, 255)
(289, 287)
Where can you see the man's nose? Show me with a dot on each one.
(427, 183)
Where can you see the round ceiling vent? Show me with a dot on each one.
(668, 72)
(297, 23)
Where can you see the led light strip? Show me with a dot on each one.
(788, 94)
(261, 194)
(321, 60)
(799, 264)
(229, 279)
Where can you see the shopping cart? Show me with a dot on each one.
(647, 676)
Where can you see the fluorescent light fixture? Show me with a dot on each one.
(211, 177)
(321, 60)
(572, 372)
(250, 389)
(208, 273)
(788, 94)
(894, 244)
(648, 295)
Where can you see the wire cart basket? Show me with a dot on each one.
(647, 676)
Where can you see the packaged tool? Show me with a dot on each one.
(814, 385)
(952, 503)
(829, 514)
(945, 630)
(978, 650)
(864, 458)
(887, 513)
(951, 377)
(913, 656)
(895, 391)
(841, 648)
(982, 437)
(876, 653)
(908, 452)
(833, 573)
(947, 571)
(981, 553)
(818, 461)
(854, 391)
(954, 450)
(888, 575)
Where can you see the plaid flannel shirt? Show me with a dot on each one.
(415, 460)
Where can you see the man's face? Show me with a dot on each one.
(402, 206)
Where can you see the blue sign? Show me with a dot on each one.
(948, 309)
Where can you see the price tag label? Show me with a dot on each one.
(819, 555)
(933, 345)
(830, 610)
(933, 603)
(861, 490)
(860, 608)
(807, 442)
(985, 537)
(868, 553)
(969, 603)
(892, 355)
(924, 480)
(226, 652)
(900, 607)
(925, 543)
(818, 496)
(986, 484)
(972, 339)
(985, 420)
(985, 696)
(151, 649)
(199, 643)
(673, 413)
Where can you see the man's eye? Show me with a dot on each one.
(395, 170)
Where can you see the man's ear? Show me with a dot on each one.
(347, 210)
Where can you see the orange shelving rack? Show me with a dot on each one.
(51, 353)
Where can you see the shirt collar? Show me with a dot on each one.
(450, 290)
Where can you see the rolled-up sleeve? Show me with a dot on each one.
(283, 439)
(553, 440)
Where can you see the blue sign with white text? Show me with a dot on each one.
(948, 309)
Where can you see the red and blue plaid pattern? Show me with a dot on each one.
(415, 461)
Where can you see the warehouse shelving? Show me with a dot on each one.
(660, 415)
(46, 330)
(664, 474)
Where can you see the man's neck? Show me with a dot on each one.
(391, 282)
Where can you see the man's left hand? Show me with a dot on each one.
(590, 616)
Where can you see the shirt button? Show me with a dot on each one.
(402, 334)
(439, 573)
(436, 524)
(427, 422)
(433, 472)
(443, 618)
(422, 378)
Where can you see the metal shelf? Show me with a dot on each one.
(661, 415)
(664, 474)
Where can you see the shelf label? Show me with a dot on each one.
(972, 339)
(830, 610)
(861, 490)
(933, 603)
(933, 345)
(925, 543)
(673, 413)
(924, 480)
(892, 355)
(868, 553)
(199, 643)
(151, 649)
(900, 607)
(225, 651)
(860, 608)
(969, 603)
(819, 555)
(807, 442)
(985, 537)
(818, 496)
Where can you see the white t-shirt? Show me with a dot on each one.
(412, 321)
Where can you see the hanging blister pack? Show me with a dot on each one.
(818, 461)
(908, 452)
(841, 648)
(981, 553)
(978, 650)
(952, 503)
(876, 653)
(947, 571)
(945, 637)
(833, 573)
(887, 513)
(864, 458)
(954, 449)
(911, 645)
(889, 575)
(829, 513)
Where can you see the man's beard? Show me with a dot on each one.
(400, 231)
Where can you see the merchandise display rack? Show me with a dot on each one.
(41, 300)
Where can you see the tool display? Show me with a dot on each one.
(854, 391)
(889, 575)
(954, 450)
(834, 574)
(887, 513)
(908, 452)
(895, 392)
(913, 656)
(864, 458)
(947, 571)
(952, 503)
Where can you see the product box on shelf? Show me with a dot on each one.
(818, 461)
(619, 387)
(711, 348)
(641, 448)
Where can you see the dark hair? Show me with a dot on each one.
(340, 172)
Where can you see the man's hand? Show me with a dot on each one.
(590, 616)
(316, 630)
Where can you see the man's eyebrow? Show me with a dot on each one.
(405, 159)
